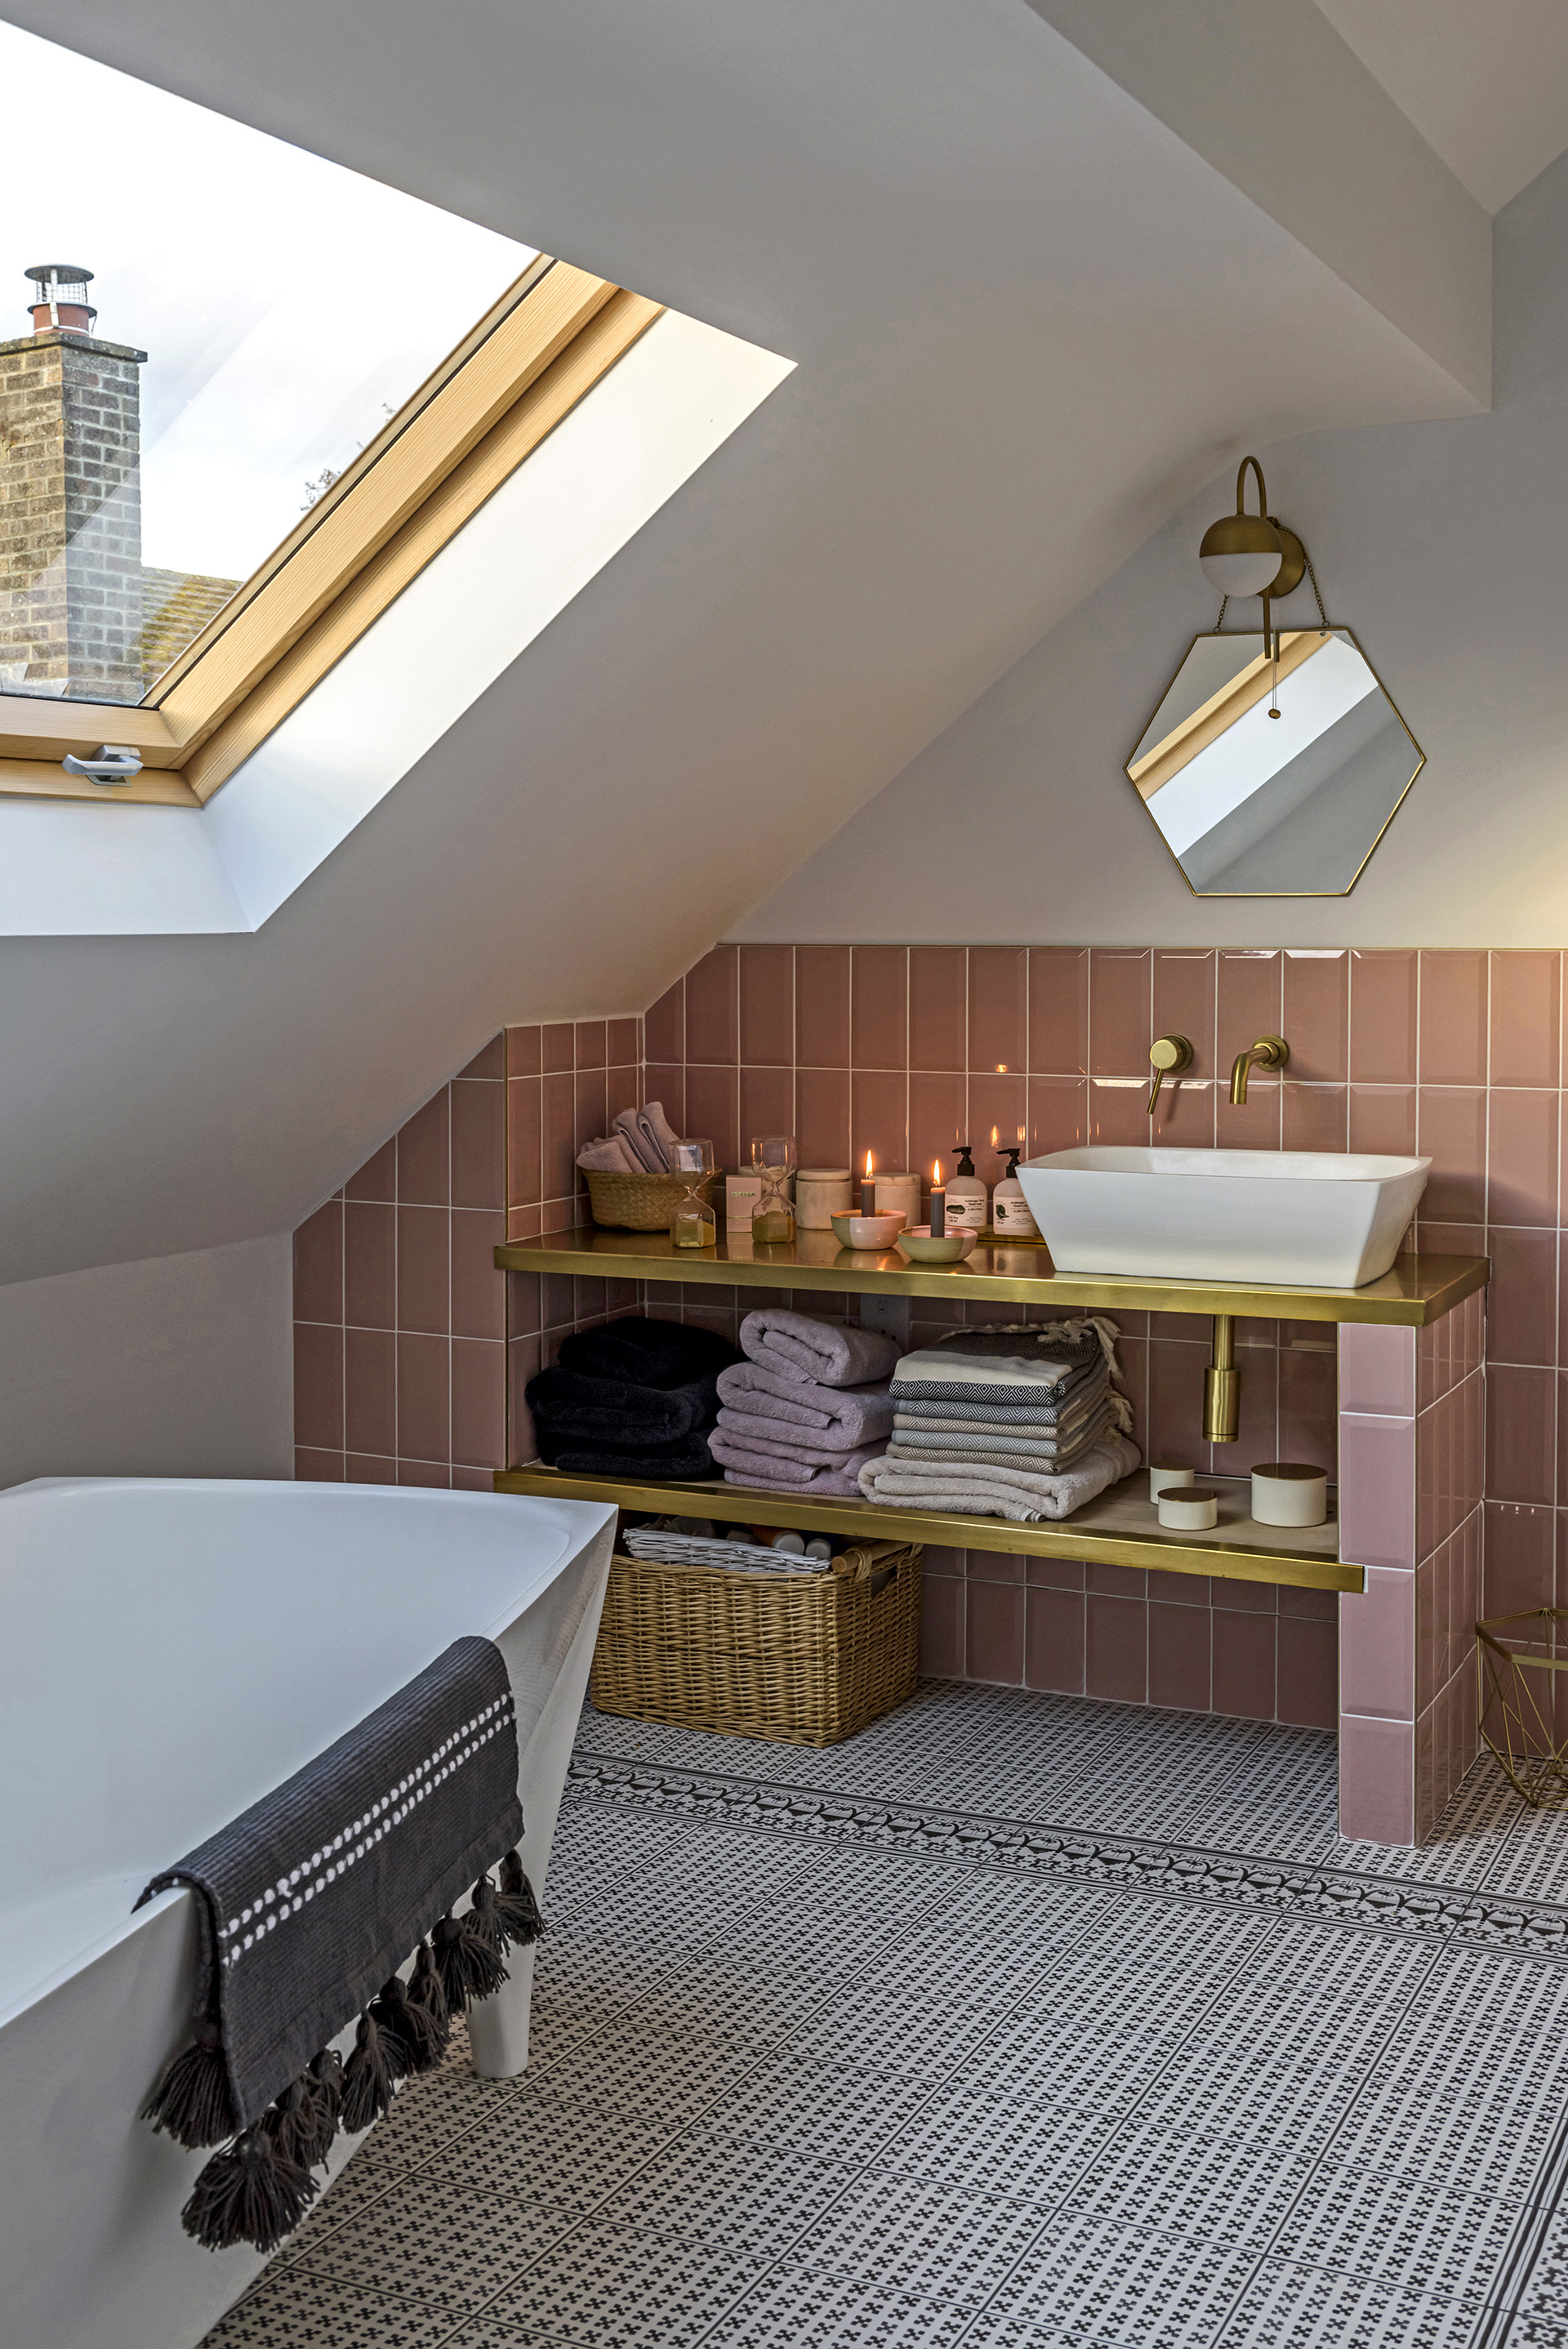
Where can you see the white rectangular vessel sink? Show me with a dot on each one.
(1309, 1218)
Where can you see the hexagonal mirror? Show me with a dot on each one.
(1273, 766)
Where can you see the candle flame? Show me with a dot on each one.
(993, 1137)
(868, 1166)
(937, 1174)
(1001, 1068)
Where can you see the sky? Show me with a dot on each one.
(285, 304)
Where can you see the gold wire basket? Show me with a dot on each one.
(802, 1659)
(1523, 1703)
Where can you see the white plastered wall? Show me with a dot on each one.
(1440, 543)
(176, 1366)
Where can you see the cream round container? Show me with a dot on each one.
(897, 1194)
(1188, 1508)
(1289, 1493)
(1163, 1474)
(820, 1194)
(867, 1231)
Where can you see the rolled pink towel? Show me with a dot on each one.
(762, 1402)
(608, 1156)
(826, 1353)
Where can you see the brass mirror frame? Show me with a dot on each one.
(1330, 627)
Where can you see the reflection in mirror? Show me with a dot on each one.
(1274, 777)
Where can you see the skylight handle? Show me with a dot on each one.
(115, 762)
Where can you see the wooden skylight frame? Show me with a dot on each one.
(524, 367)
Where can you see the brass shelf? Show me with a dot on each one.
(1120, 1529)
(1417, 1290)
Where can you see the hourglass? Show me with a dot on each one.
(694, 1224)
(773, 1161)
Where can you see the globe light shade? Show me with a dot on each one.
(1241, 554)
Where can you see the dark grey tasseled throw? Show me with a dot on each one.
(309, 1902)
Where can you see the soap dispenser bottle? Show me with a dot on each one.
(967, 1196)
(1009, 1208)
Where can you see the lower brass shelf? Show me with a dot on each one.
(1120, 1529)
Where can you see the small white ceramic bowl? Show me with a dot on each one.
(917, 1244)
(857, 1231)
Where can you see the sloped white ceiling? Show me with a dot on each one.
(1028, 319)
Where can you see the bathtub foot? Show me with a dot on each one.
(497, 2026)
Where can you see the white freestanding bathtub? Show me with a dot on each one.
(169, 1653)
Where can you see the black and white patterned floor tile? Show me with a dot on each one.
(1017, 2023)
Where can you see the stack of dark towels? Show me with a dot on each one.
(633, 1397)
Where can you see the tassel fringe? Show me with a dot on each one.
(191, 2101)
(250, 2193)
(517, 1910)
(368, 2079)
(469, 1968)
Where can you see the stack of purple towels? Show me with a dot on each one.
(808, 1408)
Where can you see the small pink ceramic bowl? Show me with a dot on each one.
(867, 1232)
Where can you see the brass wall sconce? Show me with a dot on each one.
(1276, 761)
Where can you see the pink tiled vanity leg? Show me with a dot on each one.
(1411, 1419)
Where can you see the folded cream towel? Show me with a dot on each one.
(827, 1353)
(1024, 1496)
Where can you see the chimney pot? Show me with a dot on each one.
(61, 299)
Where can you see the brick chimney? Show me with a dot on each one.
(70, 501)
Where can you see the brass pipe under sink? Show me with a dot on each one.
(1222, 1385)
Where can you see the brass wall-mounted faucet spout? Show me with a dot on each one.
(1268, 1053)
(1167, 1056)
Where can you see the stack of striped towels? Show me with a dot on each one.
(1021, 1423)
(810, 1407)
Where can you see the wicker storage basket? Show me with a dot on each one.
(803, 1658)
(639, 1203)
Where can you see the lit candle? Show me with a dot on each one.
(938, 1202)
(868, 1190)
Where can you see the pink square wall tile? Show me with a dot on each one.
(1451, 1130)
(1178, 1659)
(713, 1008)
(1117, 1115)
(377, 1178)
(998, 1008)
(1377, 1368)
(1314, 1117)
(1249, 1002)
(1184, 1003)
(626, 1042)
(936, 1111)
(558, 1046)
(879, 1007)
(664, 1025)
(318, 1386)
(317, 1468)
(1376, 1490)
(1377, 1780)
(1522, 1300)
(1383, 990)
(994, 1631)
(1116, 1660)
(822, 1118)
(1307, 1673)
(524, 1141)
(942, 1629)
(318, 1265)
(370, 1390)
(1522, 1157)
(1054, 1640)
(1118, 1011)
(523, 1055)
(1520, 1433)
(937, 1002)
(1377, 1646)
(478, 1144)
(1059, 1011)
(1526, 990)
(1520, 1550)
(590, 1040)
(1058, 1115)
(1316, 1015)
(1243, 1664)
(999, 1103)
(1382, 1122)
(767, 1006)
(1257, 1123)
(423, 1165)
(477, 1403)
(822, 1006)
(878, 1120)
(1453, 1018)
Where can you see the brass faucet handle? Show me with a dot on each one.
(1167, 1056)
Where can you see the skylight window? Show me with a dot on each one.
(192, 353)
